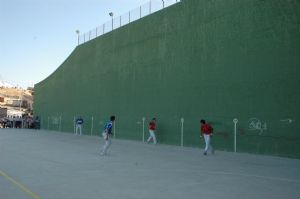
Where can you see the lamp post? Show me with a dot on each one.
(77, 32)
(112, 20)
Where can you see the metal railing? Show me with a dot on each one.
(119, 21)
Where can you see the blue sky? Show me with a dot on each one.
(38, 35)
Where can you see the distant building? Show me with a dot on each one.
(14, 114)
(13, 102)
(3, 112)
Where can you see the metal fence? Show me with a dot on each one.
(230, 133)
(119, 21)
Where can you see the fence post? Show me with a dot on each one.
(143, 128)
(140, 11)
(92, 126)
(48, 122)
(129, 17)
(114, 129)
(235, 121)
(74, 125)
(182, 121)
(59, 123)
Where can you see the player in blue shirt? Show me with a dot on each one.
(79, 123)
(107, 133)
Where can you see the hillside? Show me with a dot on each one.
(9, 95)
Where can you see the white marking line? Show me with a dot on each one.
(19, 185)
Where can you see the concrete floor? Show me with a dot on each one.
(47, 164)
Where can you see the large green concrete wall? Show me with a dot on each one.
(210, 59)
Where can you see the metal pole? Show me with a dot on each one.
(163, 2)
(120, 21)
(59, 123)
(92, 125)
(235, 121)
(20, 101)
(114, 129)
(143, 128)
(150, 7)
(140, 11)
(129, 16)
(103, 28)
(77, 32)
(112, 20)
(74, 125)
(48, 123)
(182, 121)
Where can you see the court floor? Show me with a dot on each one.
(47, 164)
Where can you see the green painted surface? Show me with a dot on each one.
(210, 59)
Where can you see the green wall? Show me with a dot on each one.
(210, 59)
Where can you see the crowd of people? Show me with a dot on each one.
(27, 121)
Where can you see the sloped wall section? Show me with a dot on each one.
(210, 59)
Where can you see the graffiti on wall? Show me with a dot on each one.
(55, 120)
(286, 121)
(255, 124)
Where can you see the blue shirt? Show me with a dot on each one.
(79, 121)
(108, 127)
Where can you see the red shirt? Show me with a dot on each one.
(152, 126)
(206, 129)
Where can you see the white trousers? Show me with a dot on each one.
(152, 136)
(105, 147)
(207, 143)
(78, 128)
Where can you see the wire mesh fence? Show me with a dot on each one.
(124, 19)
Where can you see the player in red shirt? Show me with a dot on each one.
(152, 131)
(206, 131)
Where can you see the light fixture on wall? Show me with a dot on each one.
(112, 20)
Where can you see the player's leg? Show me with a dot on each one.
(76, 129)
(80, 129)
(207, 140)
(150, 136)
(154, 137)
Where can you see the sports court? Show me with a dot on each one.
(47, 164)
